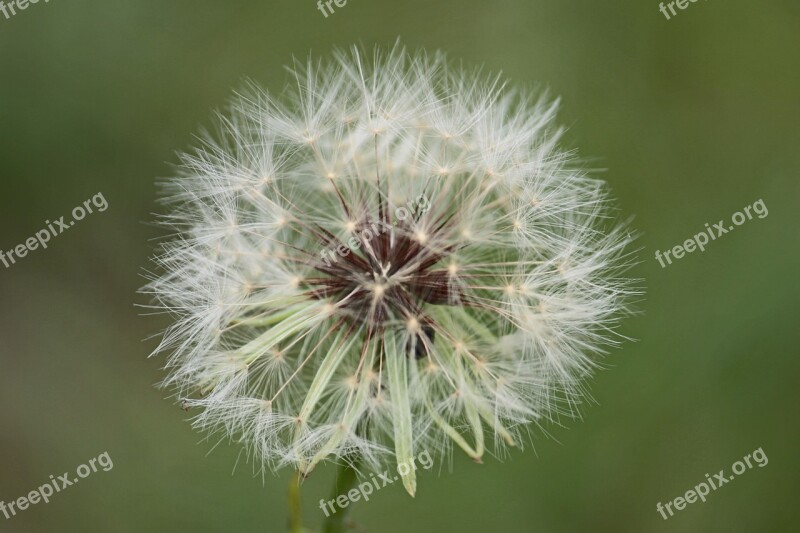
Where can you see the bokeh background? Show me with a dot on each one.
(692, 118)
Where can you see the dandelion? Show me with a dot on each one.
(394, 257)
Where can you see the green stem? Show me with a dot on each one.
(346, 479)
(295, 514)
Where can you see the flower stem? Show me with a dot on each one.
(346, 479)
(295, 514)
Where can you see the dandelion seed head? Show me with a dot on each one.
(396, 256)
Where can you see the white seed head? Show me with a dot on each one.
(396, 257)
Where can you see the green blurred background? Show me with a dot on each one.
(693, 118)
